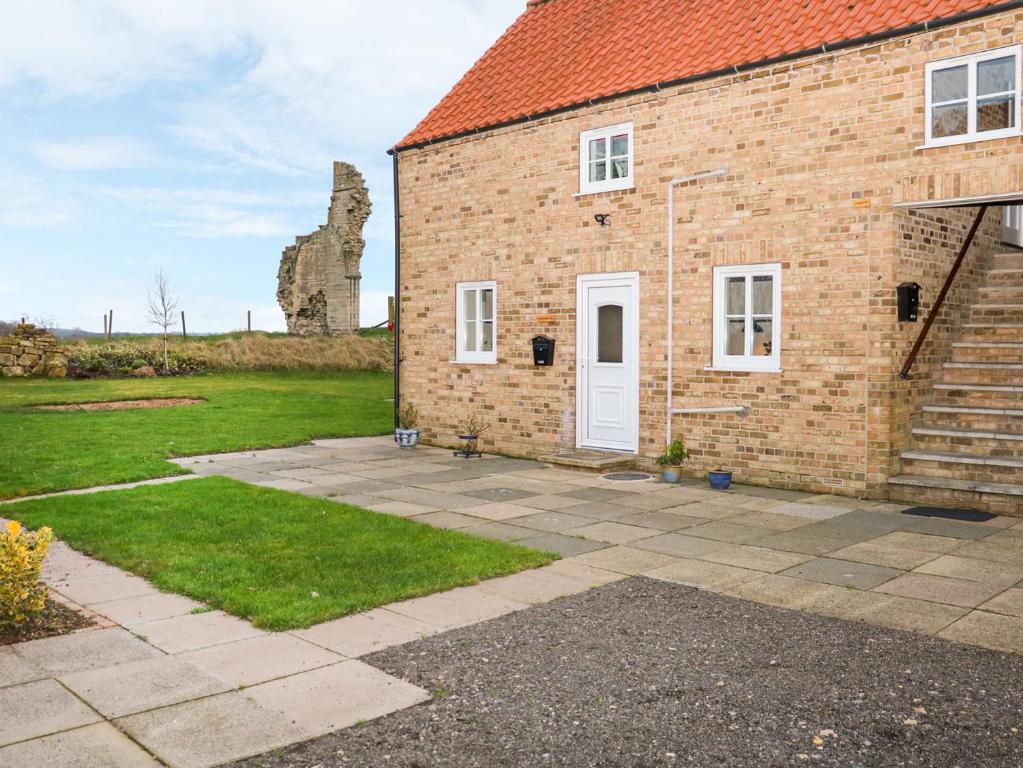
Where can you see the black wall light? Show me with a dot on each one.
(603, 219)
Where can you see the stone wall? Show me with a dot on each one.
(318, 279)
(31, 351)
(816, 152)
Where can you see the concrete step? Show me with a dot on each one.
(1011, 332)
(973, 442)
(1000, 294)
(978, 395)
(1007, 260)
(999, 498)
(596, 460)
(996, 312)
(963, 466)
(987, 351)
(1005, 420)
(975, 372)
(1003, 277)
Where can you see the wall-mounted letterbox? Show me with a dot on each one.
(909, 302)
(543, 350)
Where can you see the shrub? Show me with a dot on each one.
(674, 455)
(408, 416)
(21, 561)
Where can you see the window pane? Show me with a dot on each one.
(736, 292)
(470, 335)
(469, 299)
(949, 84)
(487, 300)
(598, 171)
(598, 149)
(619, 168)
(488, 337)
(619, 145)
(996, 113)
(609, 333)
(996, 76)
(735, 342)
(763, 295)
(763, 327)
(949, 121)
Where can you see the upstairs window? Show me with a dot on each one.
(972, 98)
(747, 318)
(605, 159)
(476, 315)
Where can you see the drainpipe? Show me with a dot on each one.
(397, 289)
(669, 411)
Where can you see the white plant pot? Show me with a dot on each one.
(406, 438)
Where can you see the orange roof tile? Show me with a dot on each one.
(564, 53)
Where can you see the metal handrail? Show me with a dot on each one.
(904, 373)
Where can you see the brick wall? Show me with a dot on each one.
(816, 154)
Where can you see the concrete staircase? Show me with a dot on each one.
(968, 450)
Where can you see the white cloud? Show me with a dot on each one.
(93, 154)
(28, 201)
(372, 307)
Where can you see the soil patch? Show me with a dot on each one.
(55, 619)
(124, 405)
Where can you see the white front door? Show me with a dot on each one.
(607, 345)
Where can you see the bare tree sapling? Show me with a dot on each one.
(161, 306)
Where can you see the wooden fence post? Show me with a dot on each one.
(249, 320)
(184, 333)
(104, 325)
(110, 326)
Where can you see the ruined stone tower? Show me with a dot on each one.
(318, 280)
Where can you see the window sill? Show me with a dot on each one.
(472, 362)
(975, 139)
(733, 369)
(604, 191)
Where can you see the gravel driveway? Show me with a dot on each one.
(646, 673)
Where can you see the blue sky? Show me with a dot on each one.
(198, 135)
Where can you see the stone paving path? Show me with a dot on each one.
(172, 683)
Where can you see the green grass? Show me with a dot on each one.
(263, 554)
(44, 451)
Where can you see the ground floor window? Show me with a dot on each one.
(476, 315)
(747, 317)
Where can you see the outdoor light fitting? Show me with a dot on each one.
(603, 219)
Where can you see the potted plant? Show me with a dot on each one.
(720, 479)
(469, 434)
(671, 460)
(407, 434)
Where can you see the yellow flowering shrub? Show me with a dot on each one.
(21, 560)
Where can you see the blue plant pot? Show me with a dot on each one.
(719, 481)
(670, 475)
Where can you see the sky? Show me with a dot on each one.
(197, 136)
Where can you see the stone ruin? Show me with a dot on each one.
(318, 280)
(31, 351)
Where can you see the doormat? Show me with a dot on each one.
(626, 476)
(964, 515)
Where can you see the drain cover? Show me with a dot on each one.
(966, 515)
(627, 476)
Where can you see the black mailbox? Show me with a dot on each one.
(543, 350)
(909, 302)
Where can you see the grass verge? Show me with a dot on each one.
(44, 451)
(279, 559)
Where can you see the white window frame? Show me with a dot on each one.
(746, 362)
(587, 187)
(970, 61)
(461, 355)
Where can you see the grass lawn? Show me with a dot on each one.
(264, 554)
(43, 451)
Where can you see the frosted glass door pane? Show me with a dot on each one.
(609, 333)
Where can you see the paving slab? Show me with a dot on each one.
(501, 531)
(259, 659)
(939, 589)
(35, 709)
(886, 555)
(662, 520)
(990, 630)
(725, 530)
(592, 494)
(99, 589)
(15, 669)
(843, 573)
(602, 510)
(935, 526)
(770, 521)
(89, 747)
(552, 522)
(972, 569)
(812, 511)
(450, 520)
(651, 501)
(626, 560)
(136, 686)
(456, 607)
(566, 546)
(130, 611)
(754, 558)
(211, 731)
(401, 508)
(367, 632)
(1008, 603)
(922, 542)
(1005, 551)
(705, 575)
(500, 494)
(588, 574)
(782, 591)
(913, 615)
(807, 540)
(705, 511)
(199, 630)
(612, 532)
(550, 501)
(79, 651)
(680, 545)
(335, 697)
(497, 511)
(536, 586)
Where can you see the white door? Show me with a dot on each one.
(607, 344)
(1012, 225)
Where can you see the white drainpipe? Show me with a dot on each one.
(669, 412)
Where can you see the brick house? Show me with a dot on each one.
(710, 207)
